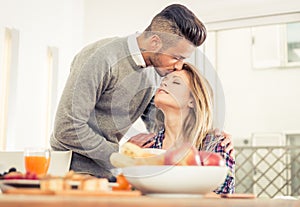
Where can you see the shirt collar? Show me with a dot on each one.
(135, 50)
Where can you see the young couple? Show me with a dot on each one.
(112, 82)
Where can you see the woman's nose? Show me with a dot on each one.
(164, 83)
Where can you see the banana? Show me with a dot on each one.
(132, 155)
(132, 150)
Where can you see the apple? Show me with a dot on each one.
(186, 154)
(211, 159)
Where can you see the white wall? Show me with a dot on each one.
(110, 18)
(56, 23)
(257, 100)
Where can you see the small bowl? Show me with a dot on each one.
(167, 179)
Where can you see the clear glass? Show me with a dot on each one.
(37, 160)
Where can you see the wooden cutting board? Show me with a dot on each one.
(35, 191)
(28, 191)
(118, 193)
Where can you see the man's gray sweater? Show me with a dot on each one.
(106, 92)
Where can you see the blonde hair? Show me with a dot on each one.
(200, 120)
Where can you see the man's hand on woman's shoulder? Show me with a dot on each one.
(143, 140)
(226, 142)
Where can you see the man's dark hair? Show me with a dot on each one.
(179, 20)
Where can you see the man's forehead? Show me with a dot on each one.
(182, 49)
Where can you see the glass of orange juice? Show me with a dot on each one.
(37, 160)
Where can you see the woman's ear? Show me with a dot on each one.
(155, 43)
(191, 103)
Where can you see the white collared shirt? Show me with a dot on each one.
(135, 50)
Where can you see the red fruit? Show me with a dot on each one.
(211, 159)
(14, 175)
(183, 155)
(31, 176)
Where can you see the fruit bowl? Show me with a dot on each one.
(169, 179)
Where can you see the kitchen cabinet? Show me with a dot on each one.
(276, 46)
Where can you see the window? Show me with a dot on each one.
(52, 76)
(276, 46)
(9, 84)
(293, 43)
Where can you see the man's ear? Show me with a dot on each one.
(155, 43)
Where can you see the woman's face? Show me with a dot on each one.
(174, 92)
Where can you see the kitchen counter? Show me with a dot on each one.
(145, 201)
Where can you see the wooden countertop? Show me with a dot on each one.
(7, 200)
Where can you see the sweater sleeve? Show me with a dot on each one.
(88, 79)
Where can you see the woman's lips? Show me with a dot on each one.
(160, 90)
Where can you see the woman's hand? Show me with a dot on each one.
(143, 140)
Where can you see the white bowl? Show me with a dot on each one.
(166, 179)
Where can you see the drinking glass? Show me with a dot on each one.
(37, 160)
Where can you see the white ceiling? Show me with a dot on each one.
(214, 10)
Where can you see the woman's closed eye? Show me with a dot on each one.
(177, 81)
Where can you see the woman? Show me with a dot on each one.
(185, 103)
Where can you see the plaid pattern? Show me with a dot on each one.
(210, 143)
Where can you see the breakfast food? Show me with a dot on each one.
(131, 155)
(132, 150)
(12, 169)
(73, 176)
(122, 182)
(211, 159)
(185, 154)
(84, 182)
(13, 174)
(189, 155)
(54, 184)
(94, 184)
(72, 182)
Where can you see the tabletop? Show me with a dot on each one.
(145, 201)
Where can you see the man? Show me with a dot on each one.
(111, 85)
